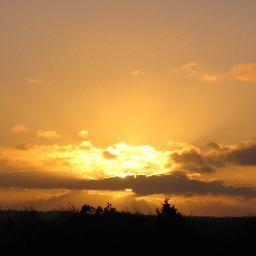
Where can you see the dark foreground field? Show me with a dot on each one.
(70, 233)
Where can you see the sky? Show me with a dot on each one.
(128, 102)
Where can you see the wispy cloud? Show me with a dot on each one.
(190, 67)
(194, 70)
(244, 72)
(33, 81)
(48, 134)
(137, 72)
(211, 77)
(19, 128)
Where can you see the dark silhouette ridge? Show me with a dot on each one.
(97, 230)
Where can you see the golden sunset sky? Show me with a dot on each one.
(128, 101)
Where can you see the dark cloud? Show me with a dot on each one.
(212, 145)
(218, 156)
(245, 155)
(39, 179)
(176, 183)
(192, 160)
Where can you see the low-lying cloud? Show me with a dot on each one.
(175, 183)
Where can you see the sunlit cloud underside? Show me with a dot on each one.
(88, 161)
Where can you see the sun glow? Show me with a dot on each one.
(89, 161)
(123, 160)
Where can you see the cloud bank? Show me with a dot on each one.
(143, 171)
(219, 155)
(139, 168)
(175, 183)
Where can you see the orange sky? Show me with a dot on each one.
(91, 90)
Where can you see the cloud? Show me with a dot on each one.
(175, 183)
(111, 153)
(143, 171)
(244, 72)
(190, 67)
(108, 155)
(137, 72)
(82, 134)
(22, 146)
(85, 159)
(19, 128)
(176, 145)
(192, 160)
(121, 160)
(193, 69)
(212, 145)
(85, 145)
(48, 134)
(39, 179)
(242, 154)
(33, 81)
(215, 156)
(211, 77)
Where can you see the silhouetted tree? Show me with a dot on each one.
(98, 211)
(109, 209)
(87, 209)
(168, 210)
